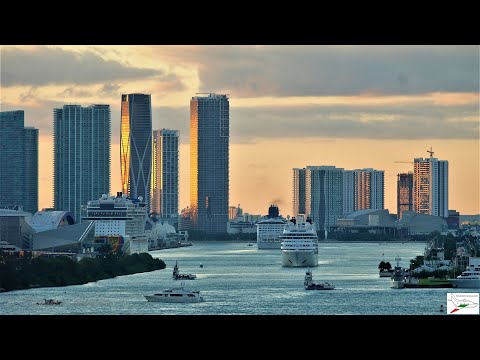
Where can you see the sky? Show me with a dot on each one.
(290, 106)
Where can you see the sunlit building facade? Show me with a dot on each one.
(404, 193)
(369, 189)
(165, 173)
(298, 191)
(430, 183)
(81, 155)
(18, 163)
(209, 162)
(136, 146)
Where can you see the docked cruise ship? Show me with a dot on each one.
(299, 243)
(119, 221)
(269, 229)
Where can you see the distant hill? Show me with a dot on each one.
(469, 218)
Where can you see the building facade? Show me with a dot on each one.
(404, 193)
(369, 189)
(430, 183)
(348, 192)
(324, 195)
(165, 173)
(209, 162)
(18, 162)
(81, 154)
(298, 191)
(136, 146)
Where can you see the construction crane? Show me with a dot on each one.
(405, 162)
(430, 151)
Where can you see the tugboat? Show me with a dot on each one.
(398, 277)
(50, 302)
(177, 276)
(310, 285)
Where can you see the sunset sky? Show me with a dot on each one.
(290, 106)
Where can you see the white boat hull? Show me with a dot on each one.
(173, 299)
(299, 258)
(465, 283)
(397, 284)
(269, 245)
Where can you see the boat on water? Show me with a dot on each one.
(176, 295)
(50, 302)
(270, 228)
(398, 276)
(177, 276)
(470, 278)
(385, 273)
(299, 243)
(310, 285)
(201, 265)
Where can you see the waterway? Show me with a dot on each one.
(239, 279)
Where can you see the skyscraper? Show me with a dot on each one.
(136, 145)
(81, 154)
(18, 162)
(165, 173)
(298, 191)
(404, 193)
(430, 183)
(369, 189)
(209, 160)
(324, 195)
(348, 192)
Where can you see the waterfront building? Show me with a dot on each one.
(18, 163)
(209, 162)
(430, 184)
(298, 191)
(81, 155)
(404, 193)
(136, 146)
(164, 200)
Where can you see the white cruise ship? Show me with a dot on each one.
(299, 243)
(119, 221)
(269, 229)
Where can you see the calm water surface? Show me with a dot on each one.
(239, 279)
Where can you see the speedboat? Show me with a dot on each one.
(176, 295)
(310, 285)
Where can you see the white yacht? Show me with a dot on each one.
(299, 243)
(269, 229)
(470, 278)
(176, 295)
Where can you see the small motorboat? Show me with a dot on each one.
(50, 302)
(201, 265)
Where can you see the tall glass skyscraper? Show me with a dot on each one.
(298, 191)
(81, 154)
(165, 173)
(18, 162)
(136, 145)
(209, 161)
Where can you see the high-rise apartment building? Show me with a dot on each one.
(404, 193)
(165, 173)
(298, 191)
(18, 163)
(136, 146)
(81, 154)
(430, 183)
(209, 162)
(324, 195)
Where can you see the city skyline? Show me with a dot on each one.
(348, 106)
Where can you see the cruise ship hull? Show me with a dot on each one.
(269, 245)
(465, 283)
(299, 258)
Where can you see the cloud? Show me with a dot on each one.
(44, 66)
(246, 71)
